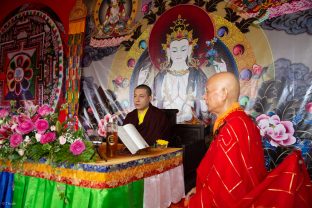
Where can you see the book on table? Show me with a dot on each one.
(130, 136)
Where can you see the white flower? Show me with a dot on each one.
(62, 140)
(2, 141)
(13, 126)
(38, 136)
(21, 152)
(27, 139)
(53, 128)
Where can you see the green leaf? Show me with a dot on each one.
(58, 127)
(161, 8)
(137, 32)
(151, 17)
(128, 44)
(56, 149)
(199, 3)
(244, 24)
(46, 146)
(231, 15)
(211, 6)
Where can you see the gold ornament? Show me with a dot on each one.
(179, 32)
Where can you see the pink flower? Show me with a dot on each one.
(15, 140)
(4, 113)
(102, 128)
(90, 110)
(90, 132)
(30, 108)
(77, 147)
(41, 125)
(256, 70)
(262, 116)
(279, 132)
(308, 107)
(47, 138)
(44, 110)
(35, 118)
(289, 127)
(102, 125)
(118, 80)
(145, 8)
(281, 137)
(5, 131)
(274, 120)
(263, 123)
(25, 127)
(21, 118)
(14, 119)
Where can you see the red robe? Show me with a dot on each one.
(232, 173)
(154, 126)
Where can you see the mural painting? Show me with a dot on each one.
(32, 65)
(113, 21)
(174, 53)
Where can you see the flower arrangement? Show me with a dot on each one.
(36, 132)
(280, 133)
(161, 143)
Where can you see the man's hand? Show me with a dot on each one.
(188, 196)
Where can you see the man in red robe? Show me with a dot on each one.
(151, 122)
(232, 173)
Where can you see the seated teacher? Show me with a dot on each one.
(151, 122)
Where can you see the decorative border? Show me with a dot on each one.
(100, 176)
(288, 8)
(111, 42)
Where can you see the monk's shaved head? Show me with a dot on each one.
(228, 81)
(222, 90)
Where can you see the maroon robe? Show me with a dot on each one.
(154, 126)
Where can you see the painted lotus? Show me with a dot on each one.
(280, 133)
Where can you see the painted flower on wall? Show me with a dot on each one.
(280, 133)
(102, 131)
(146, 7)
(19, 74)
(257, 71)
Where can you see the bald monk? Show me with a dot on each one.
(151, 122)
(232, 173)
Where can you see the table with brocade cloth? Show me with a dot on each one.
(153, 179)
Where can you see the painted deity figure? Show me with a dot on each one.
(114, 17)
(179, 84)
